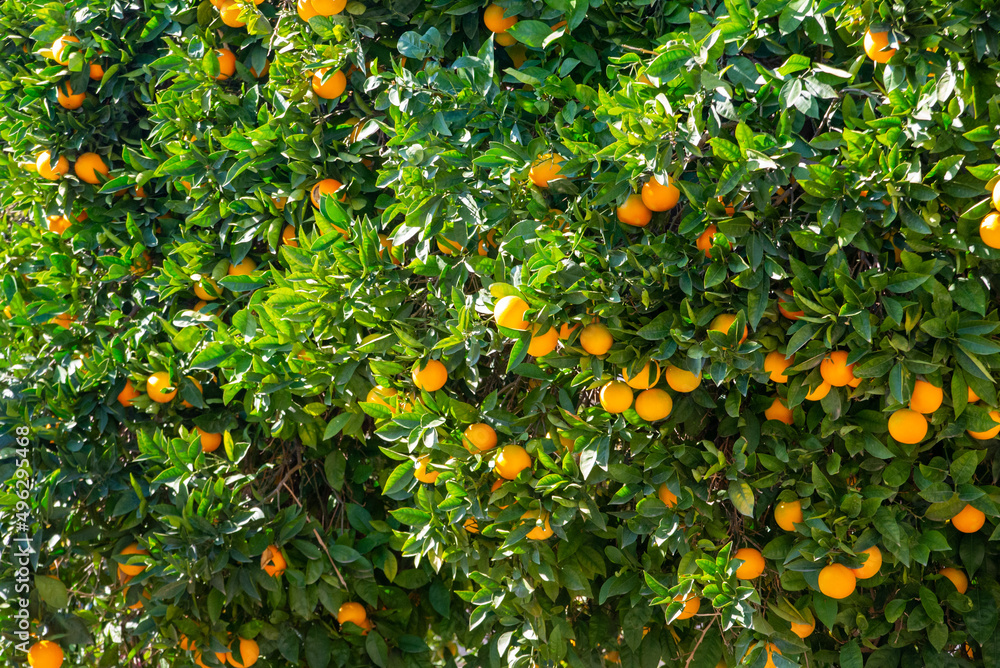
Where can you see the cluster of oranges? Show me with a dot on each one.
(160, 390)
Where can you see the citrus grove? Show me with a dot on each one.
(531, 334)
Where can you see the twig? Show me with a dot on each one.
(687, 664)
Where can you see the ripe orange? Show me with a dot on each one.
(127, 394)
(785, 306)
(972, 396)
(230, 14)
(209, 441)
(871, 565)
(546, 168)
(819, 392)
(67, 99)
(779, 411)
(509, 312)
(47, 171)
(479, 437)
(724, 322)
(646, 378)
(775, 364)
(969, 519)
(96, 72)
(471, 525)
(159, 389)
(906, 426)
(495, 20)
(596, 339)
(325, 187)
(926, 398)
(378, 395)
(505, 39)
(334, 85)
(753, 563)
(447, 246)
(422, 474)
(538, 532)
(354, 613)
(289, 236)
(989, 433)
(669, 498)
(787, 514)
(566, 330)
(244, 268)
(45, 654)
(957, 577)
(653, 405)
(431, 377)
(544, 343)
(273, 561)
(616, 397)
(681, 380)
(204, 294)
(989, 229)
(835, 369)
(247, 650)
(875, 42)
(263, 73)
(996, 195)
(64, 320)
(59, 48)
(306, 10)
(132, 569)
(659, 197)
(802, 629)
(88, 165)
(633, 212)
(706, 238)
(511, 461)
(227, 64)
(58, 224)
(837, 581)
(691, 605)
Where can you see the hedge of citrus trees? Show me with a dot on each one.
(541, 333)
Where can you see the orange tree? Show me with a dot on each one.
(544, 333)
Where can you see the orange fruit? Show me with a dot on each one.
(596, 339)
(779, 411)
(724, 322)
(989, 433)
(471, 525)
(511, 461)
(289, 236)
(837, 581)
(646, 378)
(325, 187)
(753, 563)
(669, 498)
(352, 612)
(47, 171)
(803, 629)
(658, 197)
(509, 312)
(306, 10)
(969, 519)
(653, 405)
(263, 73)
(989, 229)
(422, 474)
(159, 389)
(334, 85)
(771, 649)
(244, 268)
(273, 561)
(58, 224)
(907, 426)
(730, 209)
(544, 343)
(329, 7)
(875, 42)
(378, 395)
(202, 293)
(691, 605)
(64, 320)
(681, 380)
(706, 238)
(616, 397)
(59, 48)
(538, 532)
(785, 306)
(132, 569)
(227, 64)
(45, 654)
(633, 212)
(566, 330)
(775, 364)
(67, 99)
(209, 441)
(479, 437)
(230, 14)
(871, 565)
(545, 168)
(787, 514)
(926, 398)
(198, 305)
(495, 20)
(819, 392)
(247, 650)
(835, 370)
(504, 39)
(447, 246)
(957, 577)
(431, 377)
(88, 165)
(972, 396)
(127, 394)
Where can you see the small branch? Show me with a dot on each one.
(687, 664)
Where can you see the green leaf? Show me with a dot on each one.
(52, 591)
(741, 496)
